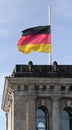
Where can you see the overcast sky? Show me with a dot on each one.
(17, 15)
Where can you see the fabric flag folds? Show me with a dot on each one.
(35, 39)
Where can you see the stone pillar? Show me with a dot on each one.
(9, 120)
(20, 108)
(12, 112)
(56, 118)
(31, 125)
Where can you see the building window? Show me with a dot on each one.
(62, 88)
(67, 118)
(41, 119)
(18, 87)
(36, 88)
(44, 88)
(51, 89)
(25, 88)
(70, 89)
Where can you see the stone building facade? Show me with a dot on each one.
(38, 97)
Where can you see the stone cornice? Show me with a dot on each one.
(12, 83)
(31, 80)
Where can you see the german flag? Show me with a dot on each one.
(35, 39)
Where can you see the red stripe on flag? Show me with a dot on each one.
(35, 39)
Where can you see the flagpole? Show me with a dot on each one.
(49, 22)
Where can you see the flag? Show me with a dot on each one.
(35, 39)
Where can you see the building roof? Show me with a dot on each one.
(54, 70)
